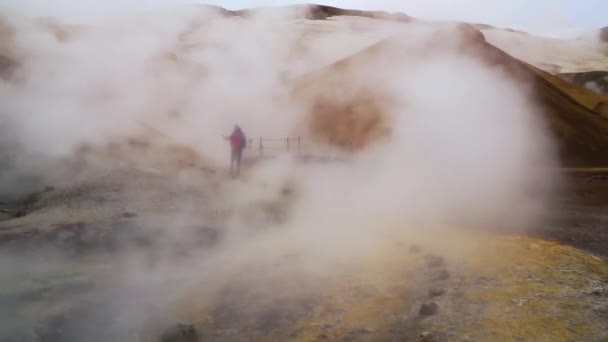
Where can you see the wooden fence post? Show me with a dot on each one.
(261, 148)
(287, 144)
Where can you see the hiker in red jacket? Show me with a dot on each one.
(237, 143)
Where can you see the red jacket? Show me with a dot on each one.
(236, 140)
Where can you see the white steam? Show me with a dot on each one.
(467, 145)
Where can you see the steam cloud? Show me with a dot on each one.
(459, 143)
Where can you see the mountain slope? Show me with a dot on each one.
(596, 81)
(578, 117)
(604, 34)
(316, 12)
(549, 54)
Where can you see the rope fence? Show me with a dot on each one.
(263, 145)
(298, 145)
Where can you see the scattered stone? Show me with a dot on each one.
(434, 261)
(600, 291)
(426, 337)
(436, 292)
(443, 275)
(100, 200)
(287, 191)
(65, 236)
(21, 213)
(428, 309)
(363, 331)
(206, 236)
(519, 302)
(129, 215)
(322, 337)
(180, 333)
(414, 249)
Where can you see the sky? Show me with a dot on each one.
(531, 14)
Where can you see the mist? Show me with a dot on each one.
(440, 141)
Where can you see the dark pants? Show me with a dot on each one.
(235, 159)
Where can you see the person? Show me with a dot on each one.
(238, 142)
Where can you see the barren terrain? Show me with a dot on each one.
(450, 187)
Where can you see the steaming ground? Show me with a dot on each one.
(132, 225)
(235, 270)
(103, 265)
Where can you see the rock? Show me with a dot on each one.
(519, 302)
(205, 236)
(600, 291)
(414, 249)
(433, 261)
(436, 292)
(363, 331)
(128, 215)
(443, 275)
(180, 333)
(64, 237)
(7, 67)
(20, 213)
(426, 336)
(428, 309)
(100, 200)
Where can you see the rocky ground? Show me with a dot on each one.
(120, 252)
(64, 272)
(583, 217)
